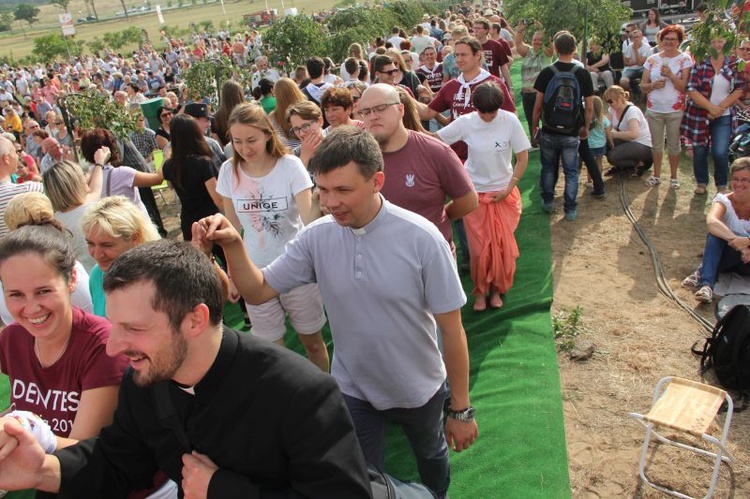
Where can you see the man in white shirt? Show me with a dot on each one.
(263, 72)
(635, 56)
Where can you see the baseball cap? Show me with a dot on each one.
(197, 110)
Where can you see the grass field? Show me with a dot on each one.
(20, 42)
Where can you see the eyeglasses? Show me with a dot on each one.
(741, 180)
(744, 49)
(390, 72)
(670, 39)
(59, 122)
(376, 109)
(610, 101)
(355, 98)
(300, 129)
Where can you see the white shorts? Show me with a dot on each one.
(304, 306)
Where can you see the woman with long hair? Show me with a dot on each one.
(652, 26)
(189, 171)
(111, 227)
(117, 179)
(232, 94)
(267, 193)
(287, 94)
(54, 351)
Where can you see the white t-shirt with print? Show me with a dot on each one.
(667, 99)
(266, 206)
(490, 147)
(629, 52)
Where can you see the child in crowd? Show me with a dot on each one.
(599, 134)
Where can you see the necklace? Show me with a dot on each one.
(59, 354)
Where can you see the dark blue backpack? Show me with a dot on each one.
(563, 104)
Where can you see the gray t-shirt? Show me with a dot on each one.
(381, 285)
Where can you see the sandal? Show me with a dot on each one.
(705, 294)
(693, 280)
(653, 181)
(674, 183)
(722, 190)
(699, 190)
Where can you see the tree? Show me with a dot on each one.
(601, 18)
(48, 47)
(26, 12)
(6, 21)
(124, 8)
(63, 4)
(90, 3)
(293, 39)
(93, 109)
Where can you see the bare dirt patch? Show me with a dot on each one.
(640, 336)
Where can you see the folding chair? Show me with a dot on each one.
(689, 407)
(158, 189)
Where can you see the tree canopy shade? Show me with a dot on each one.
(26, 12)
(600, 18)
(294, 39)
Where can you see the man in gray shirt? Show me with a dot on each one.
(387, 278)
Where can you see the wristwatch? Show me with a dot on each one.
(464, 415)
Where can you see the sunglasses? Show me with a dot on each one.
(168, 113)
(390, 72)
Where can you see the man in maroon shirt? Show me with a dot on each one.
(420, 172)
(497, 53)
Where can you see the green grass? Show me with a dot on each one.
(20, 42)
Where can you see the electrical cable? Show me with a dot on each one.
(661, 280)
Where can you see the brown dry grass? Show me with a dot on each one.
(601, 264)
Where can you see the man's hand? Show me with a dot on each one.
(217, 229)
(459, 435)
(197, 471)
(21, 457)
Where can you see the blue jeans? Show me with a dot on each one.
(554, 147)
(423, 427)
(718, 256)
(720, 131)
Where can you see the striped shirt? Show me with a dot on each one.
(9, 190)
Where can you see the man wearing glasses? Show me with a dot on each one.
(421, 172)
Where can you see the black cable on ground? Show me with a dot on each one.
(661, 280)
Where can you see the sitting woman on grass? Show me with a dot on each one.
(728, 243)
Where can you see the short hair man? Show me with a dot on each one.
(421, 172)
(222, 414)
(497, 53)
(8, 190)
(555, 146)
(314, 90)
(387, 277)
(263, 71)
(635, 56)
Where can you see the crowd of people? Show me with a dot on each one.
(331, 195)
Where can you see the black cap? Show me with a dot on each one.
(197, 110)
